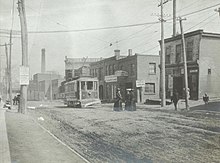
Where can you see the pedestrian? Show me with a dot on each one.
(127, 100)
(118, 102)
(206, 98)
(175, 98)
(14, 100)
(132, 101)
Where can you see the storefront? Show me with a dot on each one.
(175, 81)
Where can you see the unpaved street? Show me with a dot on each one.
(146, 135)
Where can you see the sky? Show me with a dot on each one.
(69, 15)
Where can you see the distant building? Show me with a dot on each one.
(138, 72)
(72, 64)
(203, 57)
(44, 86)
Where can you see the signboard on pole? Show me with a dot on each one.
(140, 83)
(24, 75)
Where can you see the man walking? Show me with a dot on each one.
(175, 98)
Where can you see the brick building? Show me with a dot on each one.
(39, 87)
(72, 64)
(138, 72)
(203, 56)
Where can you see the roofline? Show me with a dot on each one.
(193, 33)
(149, 55)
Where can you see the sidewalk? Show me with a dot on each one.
(4, 146)
(30, 143)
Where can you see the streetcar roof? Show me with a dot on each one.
(82, 79)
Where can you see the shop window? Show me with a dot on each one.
(150, 88)
(152, 68)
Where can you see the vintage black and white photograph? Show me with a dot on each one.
(109, 81)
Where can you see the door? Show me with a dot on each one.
(178, 85)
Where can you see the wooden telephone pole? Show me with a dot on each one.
(24, 44)
(185, 64)
(8, 95)
(162, 57)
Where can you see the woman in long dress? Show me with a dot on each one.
(118, 102)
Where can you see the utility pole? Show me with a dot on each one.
(174, 18)
(185, 64)
(9, 69)
(162, 57)
(24, 44)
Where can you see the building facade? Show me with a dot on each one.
(137, 72)
(72, 64)
(44, 86)
(202, 55)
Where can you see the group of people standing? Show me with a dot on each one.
(130, 103)
(16, 100)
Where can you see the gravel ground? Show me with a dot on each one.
(146, 135)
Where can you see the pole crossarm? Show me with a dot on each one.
(164, 2)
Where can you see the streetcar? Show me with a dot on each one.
(82, 92)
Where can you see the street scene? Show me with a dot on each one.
(109, 81)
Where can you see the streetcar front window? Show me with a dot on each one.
(89, 85)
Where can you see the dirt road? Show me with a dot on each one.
(146, 135)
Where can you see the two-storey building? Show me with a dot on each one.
(137, 72)
(203, 57)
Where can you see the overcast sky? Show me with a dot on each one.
(65, 15)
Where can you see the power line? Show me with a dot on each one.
(201, 21)
(94, 29)
(120, 26)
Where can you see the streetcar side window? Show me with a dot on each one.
(89, 85)
(83, 85)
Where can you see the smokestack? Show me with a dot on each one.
(129, 52)
(117, 53)
(43, 61)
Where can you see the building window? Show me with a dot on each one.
(168, 53)
(150, 88)
(178, 53)
(189, 51)
(152, 68)
(114, 68)
(121, 67)
(106, 70)
(95, 72)
(209, 71)
(132, 69)
(109, 69)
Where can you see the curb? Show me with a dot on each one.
(4, 145)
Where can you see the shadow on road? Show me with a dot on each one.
(211, 106)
